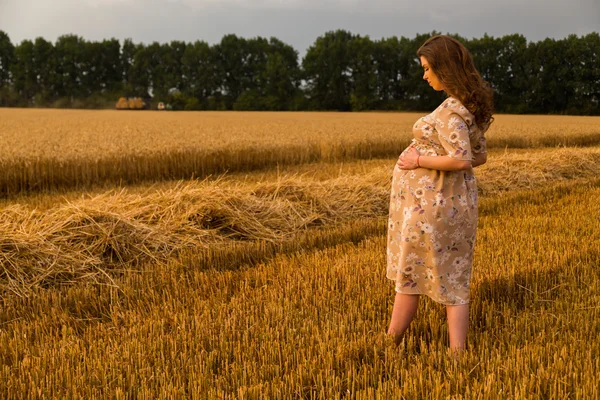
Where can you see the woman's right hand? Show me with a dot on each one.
(409, 159)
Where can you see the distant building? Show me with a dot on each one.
(133, 103)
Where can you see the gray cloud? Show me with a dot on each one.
(296, 22)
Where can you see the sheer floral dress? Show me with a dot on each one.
(433, 214)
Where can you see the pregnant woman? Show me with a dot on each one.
(433, 202)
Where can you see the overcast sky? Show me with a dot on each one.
(296, 22)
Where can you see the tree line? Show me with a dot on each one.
(340, 71)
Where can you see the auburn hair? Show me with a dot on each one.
(453, 65)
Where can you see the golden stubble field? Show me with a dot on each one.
(265, 277)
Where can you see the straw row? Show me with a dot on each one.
(91, 239)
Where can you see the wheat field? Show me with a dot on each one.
(268, 280)
(45, 150)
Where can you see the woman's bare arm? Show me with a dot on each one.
(441, 163)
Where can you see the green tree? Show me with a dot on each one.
(546, 91)
(43, 64)
(155, 70)
(232, 56)
(139, 74)
(127, 59)
(253, 76)
(518, 77)
(24, 72)
(363, 72)
(327, 71)
(588, 73)
(388, 75)
(199, 73)
(111, 69)
(280, 79)
(69, 65)
(581, 79)
(90, 74)
(33, 72)
(6, 59)
(166, 67)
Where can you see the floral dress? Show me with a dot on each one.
(433, 214)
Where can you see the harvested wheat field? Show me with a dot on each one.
(268, 281)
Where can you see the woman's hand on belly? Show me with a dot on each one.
(409, 159)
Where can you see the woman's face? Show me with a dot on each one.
(430, 77)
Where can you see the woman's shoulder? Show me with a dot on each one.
(453, 106)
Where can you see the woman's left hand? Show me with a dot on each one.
(409, 159)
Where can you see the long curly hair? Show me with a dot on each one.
(453, 65)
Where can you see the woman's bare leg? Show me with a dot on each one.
(405, 308)
(458, 325)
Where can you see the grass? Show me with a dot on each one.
(310, 324)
